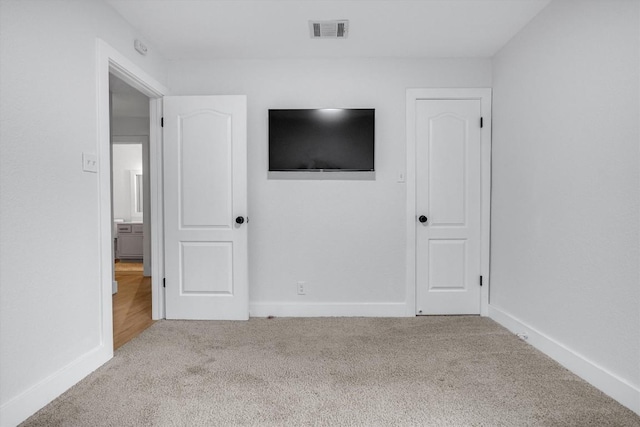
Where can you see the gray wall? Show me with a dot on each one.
(50, 314)
(346, 239)
(565, 212)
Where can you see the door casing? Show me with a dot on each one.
(414, 95)
(111, 61)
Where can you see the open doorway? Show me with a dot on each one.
(130, 204)
(110, 61)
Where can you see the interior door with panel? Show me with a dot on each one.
(205, 197)
(448, 206)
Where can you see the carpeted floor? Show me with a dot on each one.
(423, 371)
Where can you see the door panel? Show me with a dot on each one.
(448, 194)
(206, 268)
(204, 144)
(447, 262)
(205, 189)
(446, 169)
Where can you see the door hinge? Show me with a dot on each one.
(161, 122)
(481, 122)
(480, 280)
(164, 283)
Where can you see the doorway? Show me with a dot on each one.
(130, 189)
(112, 63)
(448, 200)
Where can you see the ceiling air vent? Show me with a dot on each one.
(338, 29)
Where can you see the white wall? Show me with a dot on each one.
(129, 110)
(125, 158)
(130, 126)
(49, 209)
(346, 239)
(565, 239)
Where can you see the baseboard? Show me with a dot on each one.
(610, 384)
(293, 309)
(30, 401)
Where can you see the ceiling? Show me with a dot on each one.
(127, 101)
(248, 29)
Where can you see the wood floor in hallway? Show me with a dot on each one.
(131, 305)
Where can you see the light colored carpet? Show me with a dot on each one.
(424, 371)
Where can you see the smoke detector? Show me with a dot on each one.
(336, 29)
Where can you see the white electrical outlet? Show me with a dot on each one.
(89, 162)
(302, 288)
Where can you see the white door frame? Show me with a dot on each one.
(142, 140)
(414, 95)
(111, 61)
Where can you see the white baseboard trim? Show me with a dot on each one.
(39, 395)
(610, 384)
(292, 309)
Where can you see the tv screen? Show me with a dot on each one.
(318, 140)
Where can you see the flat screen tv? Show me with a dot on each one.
(321, 140)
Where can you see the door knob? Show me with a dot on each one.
(423, 219)
(239, 220)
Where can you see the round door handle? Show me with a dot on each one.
(239, 220)
(423, 219)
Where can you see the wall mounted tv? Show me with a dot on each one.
(321, 140)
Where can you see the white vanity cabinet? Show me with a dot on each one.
(129, 241)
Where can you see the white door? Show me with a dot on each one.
(448, 195)
(205, 197)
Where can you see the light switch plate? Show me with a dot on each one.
(89, 162)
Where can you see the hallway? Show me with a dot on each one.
(132, 303)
